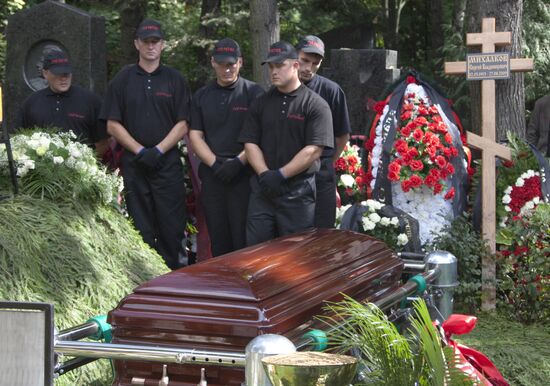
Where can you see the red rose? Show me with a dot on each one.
(454, 151)
(421, 121)
(433, 111)
(393, 176)
(411, 79)
(422, 110)
(440, 161)
(359, 181)
(406, 131)
(449, 168)
(416, 181)
(447, 152)
(406, 115)
(430, 180)
(394, 167)
(435, 173)
(352, 160)
(340, 165)
(351, 169)
(408, 106)
(401, 146)
(450, 194)
(448, 138)
(379, 107)
(437, 188)
(406, 185)
(413, 152)
(406, 159)
(431, 150)
(417, 165)
(471, 171)
(418, 134)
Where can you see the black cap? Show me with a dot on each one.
(312, 45)
(57, 62)
(280, 51)
(226, 51)
(149, 28)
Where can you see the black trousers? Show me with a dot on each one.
(325, 203)
(225, 207)
(271, 217)
(156, 204)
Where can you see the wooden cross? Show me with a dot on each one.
(488, 39)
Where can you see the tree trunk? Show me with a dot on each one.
(131, 14)
(209, 9)
(264, 27)
(510, 94)
(436, 35)
(391, 15)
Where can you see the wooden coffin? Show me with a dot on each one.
(223, 303)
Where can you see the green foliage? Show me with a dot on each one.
(460, 239)
(524, 268)
(520, 352)
(390, 357)
(83, 259)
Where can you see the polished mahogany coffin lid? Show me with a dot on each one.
(274, 287)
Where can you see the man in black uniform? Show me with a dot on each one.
(217, 114)
(284, 136)
(311, 51)
(147, 109)
(64, 105)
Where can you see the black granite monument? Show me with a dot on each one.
(32, 32)
(363, 74)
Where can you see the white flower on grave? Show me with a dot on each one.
(33, 144)
(394, 221)
(41, 150)
(58, 160)
(44, 142)
(74, 151)
(373, 204)
(368, 225)
(506, 199)
(80, 165)
(402, 239)
(508, 190)
(347, 180)
(385, 221)
(520, 182)
(536, 200)
(374, 217)
(507, 208)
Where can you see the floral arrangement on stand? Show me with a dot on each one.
(523, 265)
(55, 166)
(422, 159)
(374, 223)
(352, 179)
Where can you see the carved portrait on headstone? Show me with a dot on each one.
(32, 71)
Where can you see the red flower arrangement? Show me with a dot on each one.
(423, 148)
(524, 195)
(352, 179)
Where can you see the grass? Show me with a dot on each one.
(520, 352)
(83, 259)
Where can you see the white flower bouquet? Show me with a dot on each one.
(56, 167)
(374, 223)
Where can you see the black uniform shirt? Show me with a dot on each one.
(76, 109)
(283, 124)
(148, 105)
(219, 112)
(336, 99)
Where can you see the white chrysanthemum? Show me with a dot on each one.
(58, 160)
(347, 180)
(368, 225)
(520, 182)
(385, 221)
(374, 217)
(508, 190)
(506, 199)
(394, 221)
(402, 239)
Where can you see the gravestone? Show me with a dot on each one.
(363, 74)
(52, 25)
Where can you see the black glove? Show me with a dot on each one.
(229, 169)
(272, 183)
(149, 158)
(217, 164)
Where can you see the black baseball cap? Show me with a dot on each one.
(149, 28)
(280, 51)
(57, 62)
(226, 51)
(312, 45)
